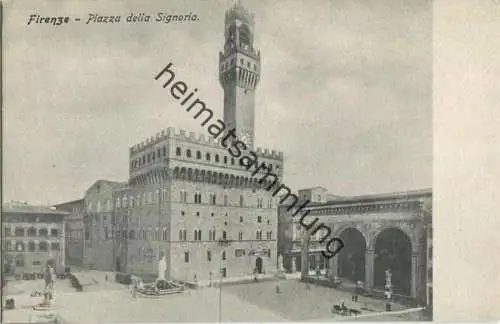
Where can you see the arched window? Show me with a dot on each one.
(31, 246)
(188, 153)
(43, 246)
(196, 235)
(43, 232)
(54, 232)
(199, 235)
(184, 236)
(225, 200)
(165, 151)
(208, 157)
(225, 160)
(31, 231)
(198, 155)
(178, 151)
(55, 246)
(216, 157)
(19, 231)
(242, 201)
(223, 255)
(224, 235)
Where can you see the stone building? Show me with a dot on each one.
(74, 231)
(380, 232)
(98, 220)
(32, 235)
(187, 194)
(90, 225)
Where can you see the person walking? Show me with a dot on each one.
(134, 287)
(277, 287)
(52, 277)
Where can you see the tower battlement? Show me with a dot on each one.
(195, 138)
(237, 11)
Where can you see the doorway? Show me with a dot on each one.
(258, 265)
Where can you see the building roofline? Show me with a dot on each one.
(372, 197)
(110, 182)
(33, 210)
(375, 197)
(311, 188)
(69, 202)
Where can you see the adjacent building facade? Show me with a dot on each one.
(380, 232)
(74, 231)
(32, 235)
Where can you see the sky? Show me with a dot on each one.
(345, 91)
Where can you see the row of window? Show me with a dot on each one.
(153, 197)
(19, 231)
(227, 64)
(32, 246)
(237, 253)
(107, 203)
(153, 156)
(212, 234)
(145, 198)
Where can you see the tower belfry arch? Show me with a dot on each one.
(239, 73)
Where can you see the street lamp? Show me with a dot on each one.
(222, 243)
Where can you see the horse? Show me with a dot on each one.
(354, 312)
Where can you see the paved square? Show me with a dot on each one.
(253, 302)
(296, 303)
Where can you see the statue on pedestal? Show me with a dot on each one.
(162, 268)
(281, 268)
(388, 278)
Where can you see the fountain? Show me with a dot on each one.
(161, 286)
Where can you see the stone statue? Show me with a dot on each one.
(388, 278)
(388, 275)
(162, 267)
(281, 268)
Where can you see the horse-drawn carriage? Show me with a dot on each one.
(344, 311)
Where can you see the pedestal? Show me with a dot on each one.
(414, 274)
(333, 268)
(369, 268)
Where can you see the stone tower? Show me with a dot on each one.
(239, 73)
